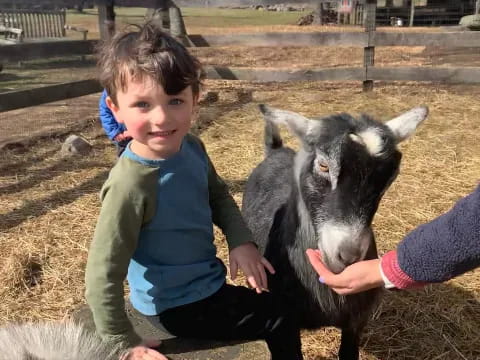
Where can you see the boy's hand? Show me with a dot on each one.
(143, 353)
(248, 259)
(122, 136)
(358, 277)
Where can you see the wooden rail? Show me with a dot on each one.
(42, 50)
(367, 73)
(451, 75)
(41, 95)
(450, 39)
(28, 51)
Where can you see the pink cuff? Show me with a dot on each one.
(397, 277)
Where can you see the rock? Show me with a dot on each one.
(471, 22)
(208, 97)
(76, 145)
(184, 349)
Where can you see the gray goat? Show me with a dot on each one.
(53, 341)
(325, 197)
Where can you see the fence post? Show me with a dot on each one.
(412, 12)
(369, 50)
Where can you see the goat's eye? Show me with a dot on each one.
(322, 166)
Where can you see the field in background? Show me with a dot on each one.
(49, 204)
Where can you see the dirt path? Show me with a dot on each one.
(56, 118)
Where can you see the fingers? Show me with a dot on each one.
(253, 283)
(316, 261)
(151, 343)
(263, 276)
(233, 269)
(143, 353)
(267, 264)
(253, 276)
(336, 282)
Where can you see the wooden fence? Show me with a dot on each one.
(367, 74)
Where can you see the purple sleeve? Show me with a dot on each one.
(445, 247)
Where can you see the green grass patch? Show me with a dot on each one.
(193, 17)
(214, 17)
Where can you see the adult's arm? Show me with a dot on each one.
(439, 250)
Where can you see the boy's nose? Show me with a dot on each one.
(159, 116)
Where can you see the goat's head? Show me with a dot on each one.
(342, 170)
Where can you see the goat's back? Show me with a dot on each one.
(267, 189)
(52, 341)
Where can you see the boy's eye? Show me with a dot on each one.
(176, 102)
(141, 104)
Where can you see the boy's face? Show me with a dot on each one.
(156, 121)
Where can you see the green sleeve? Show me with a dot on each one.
(225, 212)
(122, 215)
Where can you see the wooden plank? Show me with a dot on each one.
(459, 75)
(445, 39)
(283, 39)
(450, 75)
(38, 28)
(450, 39)
(63, 21)
(25, 98)
(29, 23)
(28, 51)
(281, 75)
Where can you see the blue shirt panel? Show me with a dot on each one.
(175, 261)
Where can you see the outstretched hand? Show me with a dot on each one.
(143, 353)
(358, 277)
(248, 259)
(122, 136)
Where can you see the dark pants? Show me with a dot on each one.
(236, 313)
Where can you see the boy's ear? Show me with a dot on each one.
(113, 108)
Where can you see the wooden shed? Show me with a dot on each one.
(427, 12)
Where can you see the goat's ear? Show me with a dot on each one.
(404, 126)
(297, 123)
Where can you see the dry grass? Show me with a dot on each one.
(49, 207)
(49, 204)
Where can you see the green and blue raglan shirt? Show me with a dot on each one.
(156, 228)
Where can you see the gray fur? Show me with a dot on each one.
(53, 341)
(291, 203)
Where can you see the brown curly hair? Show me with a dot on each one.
(147, 52)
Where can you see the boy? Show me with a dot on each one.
(158, 207)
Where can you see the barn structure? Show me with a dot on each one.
(426, 12)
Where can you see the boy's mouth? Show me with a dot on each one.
(162, 133)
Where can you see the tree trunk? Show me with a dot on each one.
(106, 19)
(318, 13)
(477, 7)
